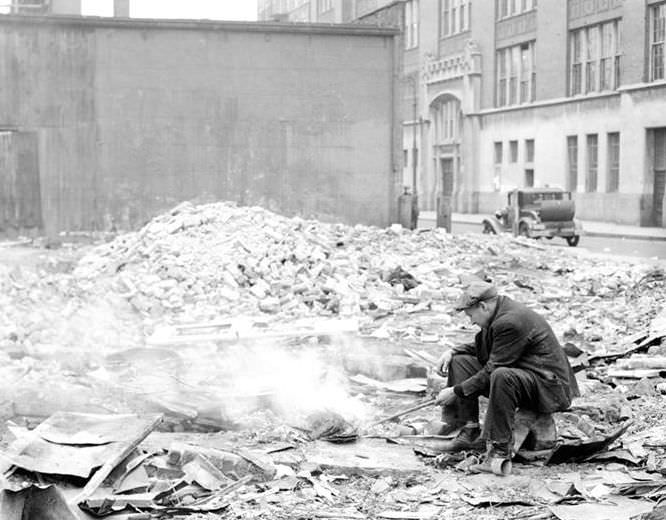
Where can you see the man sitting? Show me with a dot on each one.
(515, 360)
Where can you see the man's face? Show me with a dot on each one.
(479, 314)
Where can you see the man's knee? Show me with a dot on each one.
(505, 378)
(461, 360)
(501, 375)
(461, 367)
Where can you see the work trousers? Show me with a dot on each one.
(508, 390)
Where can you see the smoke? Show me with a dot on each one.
(292, 380)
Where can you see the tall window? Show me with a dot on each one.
(498, 152)
(513, 150)
(572, 162)
(514, 59)
(529, 150)
(325, 5)
(657, 26)
(516, 75)
(455, 16)
(576, 62)
(592, 163)
(447, 121)
(506, 8)
(613, 177)
(595, 58)
(497, 178)
(412, 24)
(591, 60)
(529, 178)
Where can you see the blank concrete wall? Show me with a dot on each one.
(136, 116)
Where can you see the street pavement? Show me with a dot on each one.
(427, 219)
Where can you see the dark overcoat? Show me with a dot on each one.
(518, 337)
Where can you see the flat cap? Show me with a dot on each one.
(474, 293)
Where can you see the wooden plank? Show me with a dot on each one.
(109, 466)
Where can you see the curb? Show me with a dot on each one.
(602, 234)
(586, 232)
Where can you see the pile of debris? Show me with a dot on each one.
(201, 260)
(209, 312)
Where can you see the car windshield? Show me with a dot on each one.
(528, 199)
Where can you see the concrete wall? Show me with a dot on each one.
(630, 114)
(135, 116)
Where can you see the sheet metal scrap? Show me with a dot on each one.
(580, 450)
(75, 444)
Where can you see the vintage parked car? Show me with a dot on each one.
(537, 213)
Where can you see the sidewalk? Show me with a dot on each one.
(591, 228)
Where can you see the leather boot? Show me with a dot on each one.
(469, 438)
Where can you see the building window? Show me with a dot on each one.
(405, 158)
(576, 63)
(657, 26)
(513, 150)
(572, 162)
(592, 163)
(516, 75)
(411, 24)
(455, 17)
(613, 177)
(595, 58)
(529, 150)
(447, 121)
(497, 178)
(325, 5)
(498, 152)
(506, 8)
(529, 178)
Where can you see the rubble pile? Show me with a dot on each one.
(219, 258)
(202, 262)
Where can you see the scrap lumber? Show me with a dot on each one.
(642, 361)
(636, 373)
(231, 332)
(425, 404)
(413, 385)
(109, 466)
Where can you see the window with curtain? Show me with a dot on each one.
(594, 56)
(455, 17)
(411, 24)
(507, 8)
(657, 26)
(516, 75)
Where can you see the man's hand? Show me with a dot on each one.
(446, 396)
(442, 365)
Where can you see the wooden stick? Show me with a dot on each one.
(109, 465)
(404, 412)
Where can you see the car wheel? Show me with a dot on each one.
(488, 229)
(573, 241)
